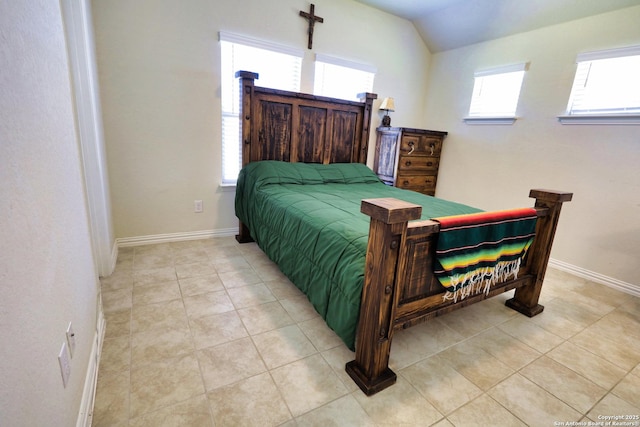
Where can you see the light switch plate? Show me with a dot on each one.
(65, 365)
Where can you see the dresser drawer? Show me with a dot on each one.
(420, 145)
(409, 158)
(416, 182)
(418, 163)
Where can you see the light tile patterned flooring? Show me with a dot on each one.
(210, 333)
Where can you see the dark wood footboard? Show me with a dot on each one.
(400, 289)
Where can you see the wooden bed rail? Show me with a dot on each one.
(399, 285)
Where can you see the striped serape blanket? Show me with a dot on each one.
(475, 251)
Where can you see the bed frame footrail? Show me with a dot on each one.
(388, 261)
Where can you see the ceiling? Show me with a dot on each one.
(449, 24)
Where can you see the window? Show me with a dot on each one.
(495, 94)
(278, 67)
(338, 78)
(606, 85)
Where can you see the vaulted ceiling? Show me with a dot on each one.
(449, 24)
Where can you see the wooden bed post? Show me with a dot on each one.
(246, 95)
(526, 298)
(387, 231)
(367, 98)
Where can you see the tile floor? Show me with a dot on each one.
(210, 333)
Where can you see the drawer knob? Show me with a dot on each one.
(406, 182)
(408, 163)
(429, 163)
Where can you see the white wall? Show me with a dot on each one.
(47, 274)
(493, 167)
(158, 66)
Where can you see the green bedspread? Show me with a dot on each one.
(307, 219)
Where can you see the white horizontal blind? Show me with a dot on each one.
(606, 82)
(496, 91)
(339, 78)
(278, 67)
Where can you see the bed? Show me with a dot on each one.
(372, 258)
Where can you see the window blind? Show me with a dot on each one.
(606, 82)
(278, 67)
(496, 91)
(340, 78)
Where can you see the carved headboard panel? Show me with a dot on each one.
(298, 127)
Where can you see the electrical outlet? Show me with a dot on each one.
(65, 365)
(71, 340)
(197, 206)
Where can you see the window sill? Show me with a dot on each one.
(490, 120)
(227, 187)
(602, 119)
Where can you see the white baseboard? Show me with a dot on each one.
(85, 415)
(174, 237)
(628, 288)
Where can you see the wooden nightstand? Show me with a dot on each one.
(409, 158)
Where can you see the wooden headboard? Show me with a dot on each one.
(298, 127)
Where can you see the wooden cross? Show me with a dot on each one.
(312, 18)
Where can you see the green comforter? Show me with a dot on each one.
(307, 219)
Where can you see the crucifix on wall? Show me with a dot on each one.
(312, 18)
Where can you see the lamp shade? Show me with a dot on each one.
(387, 104)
